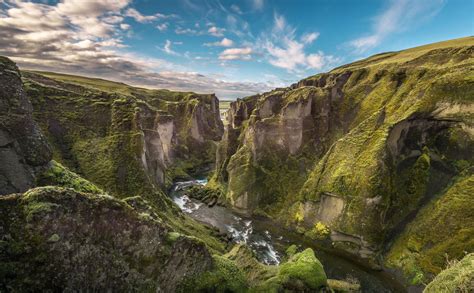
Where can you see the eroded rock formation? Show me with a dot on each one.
(23, 149)
(129, 141)
(363, 150)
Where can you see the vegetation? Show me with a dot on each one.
(390, 136)
(457, 277)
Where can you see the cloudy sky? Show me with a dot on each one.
(232, 48)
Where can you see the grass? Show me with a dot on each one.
(112, 86)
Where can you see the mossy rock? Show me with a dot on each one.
(61, 239)
(224, 277)
(57, 174)
(458, 277)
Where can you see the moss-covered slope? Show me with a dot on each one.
(361, 150)
(128, 141)
(61, 239)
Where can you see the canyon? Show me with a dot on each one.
(371, 162)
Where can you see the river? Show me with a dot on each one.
(269, 241)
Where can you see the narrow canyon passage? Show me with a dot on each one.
(269, 240)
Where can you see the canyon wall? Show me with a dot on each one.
(24, 151)
(363, 155)
(128, 141)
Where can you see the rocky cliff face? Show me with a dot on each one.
(127, 140)
(23, 149)
(60, 239)
(363, 150)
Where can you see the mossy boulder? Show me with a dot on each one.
(301, 273)
(60, 239)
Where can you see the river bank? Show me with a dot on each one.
(269, 241)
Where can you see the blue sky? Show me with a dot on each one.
(232, 48)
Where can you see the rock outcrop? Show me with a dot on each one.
(60, 239)
(23, 149)
(365, 150)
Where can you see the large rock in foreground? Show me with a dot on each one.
(23, 149)
(60, 239)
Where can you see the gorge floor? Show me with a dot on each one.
(269, 240)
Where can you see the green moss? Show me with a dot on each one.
(439, 229)
(458, 277)
(291, 250)
(57, 174)
(224, 277)
(172, 237)
(343, 285)
(54, 238)
(303, 267)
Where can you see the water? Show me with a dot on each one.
(269, 241)
(238, 227)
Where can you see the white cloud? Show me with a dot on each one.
(216, 31)
(399, 16)
(113, 19)
(309, 38)
(284, 50)
(90, 8)
(133, 13)
(225, 42)
(186, 31)
(124, 26)
(167, 48)
(162, 26)
(279, 22)
(236, 54)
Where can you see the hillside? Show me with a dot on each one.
(377, 151)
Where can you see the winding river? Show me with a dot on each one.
(269, 241)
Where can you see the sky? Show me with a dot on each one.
(231, 48)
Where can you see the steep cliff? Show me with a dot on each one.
(355, 155)
(23, 149)
(60, 239)
(129, 141)
(117, 231)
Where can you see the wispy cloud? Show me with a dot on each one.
(167, 48)
(309, 38)
(236, 9)
(225, 42)
(236, 54)
(133, 13)
(399, 16)
(162, 26)
(216, 31)
(284, 50)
